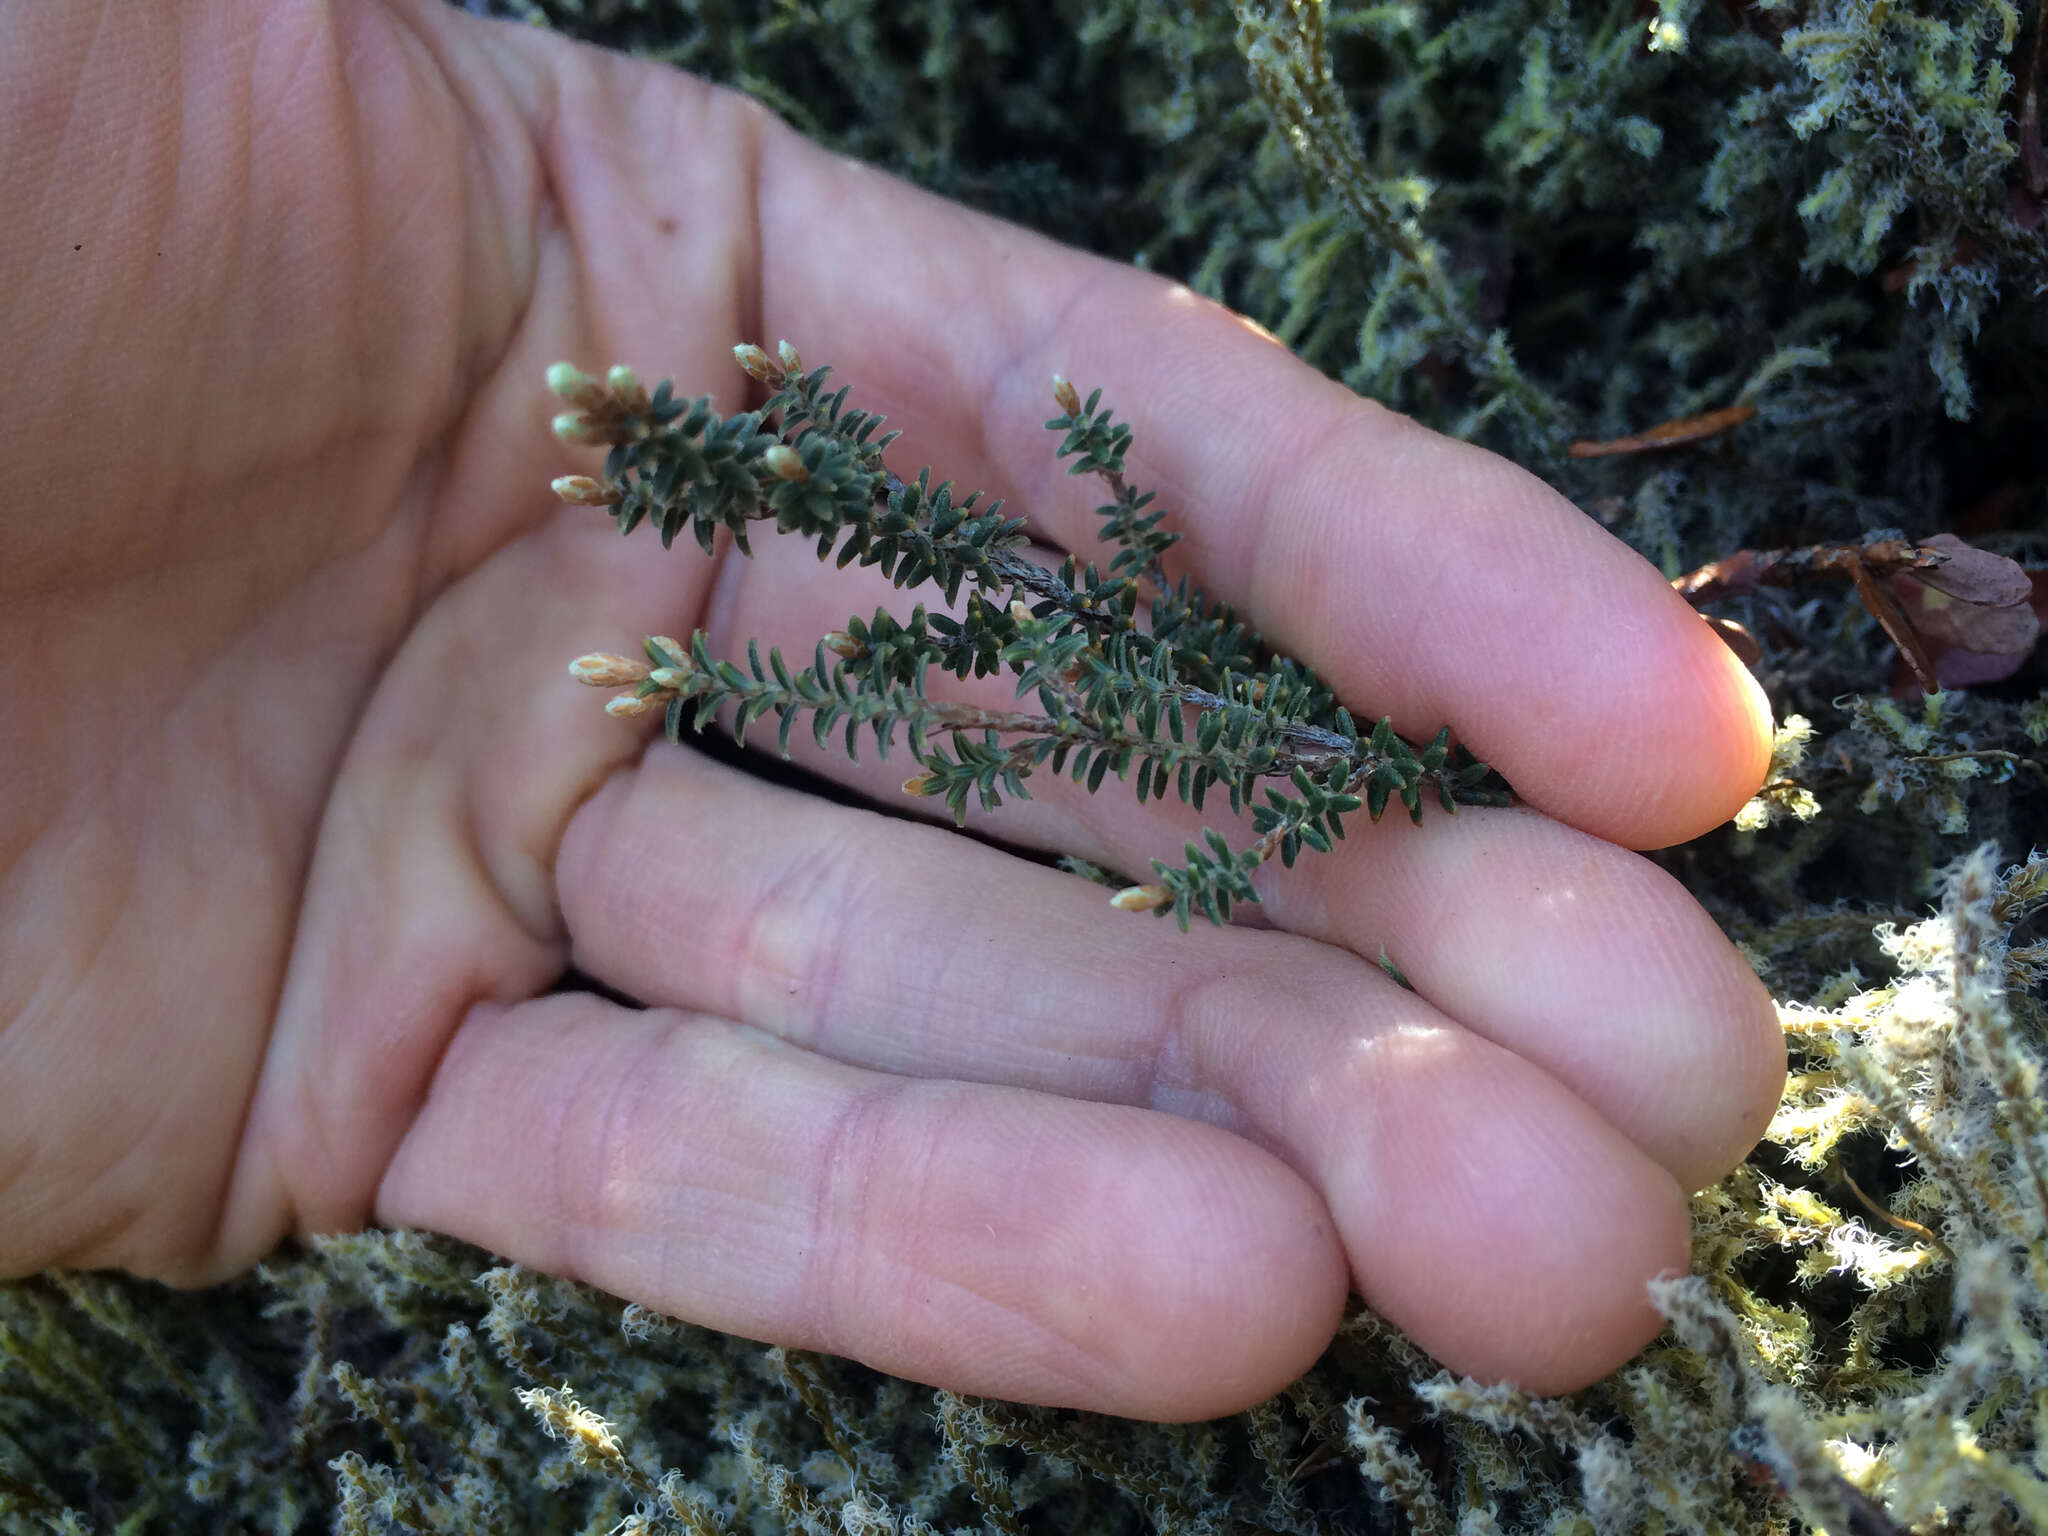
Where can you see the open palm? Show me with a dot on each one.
(301, 817)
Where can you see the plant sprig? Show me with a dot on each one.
(1133, 674)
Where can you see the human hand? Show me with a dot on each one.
(300, 818)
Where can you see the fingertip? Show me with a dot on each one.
(1609, 1324)
(1506, 1227)
(1714, 747)
(1670, 733)
(1240, 1309)
(1569, 1312)
(1180, 1273)
(1749, 1062)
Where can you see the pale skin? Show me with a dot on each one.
(302, 819)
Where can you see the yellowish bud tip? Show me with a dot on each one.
(920, 784)
(1666, 37)
(1020, 610)
(582, 491)
(1069, 397)
(600, 669)
(670, 677)
(627, 706)
(840, 643)
(571, 383)
(1140, 898)
(785, 463)
(758, 364)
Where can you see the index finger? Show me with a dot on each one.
(1423, 578)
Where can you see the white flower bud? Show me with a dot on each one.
(628, 706)
(1064, 392)
(791, 363)
(670, 677)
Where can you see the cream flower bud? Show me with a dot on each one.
(629, 705)
(1069, 397)
(759, 366)
(1140, 898)
(785, 463)
(840, 643)
(1020, 611)
(625, 383)
(668, 647)
(670, 677)
(574, 427)
(791, 363)
(921, 784)
(582, 491)
(600, 669)
(570, 382)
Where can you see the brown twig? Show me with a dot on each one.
(1667, 434)
(1900, 1223)
(1741, 573)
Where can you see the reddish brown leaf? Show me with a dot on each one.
(1734, 576)
(1974, 575)
(1971, 643)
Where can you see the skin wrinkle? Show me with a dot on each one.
(74, 108)
(841, 1249)
(1039, 1339)
(1387, 670)
(490, 856)
(1179, 1074)
(1280, 543)
(1008, 379)
(606, 1194)
(778, 940)
(115, 1216)
(404, 1079)
(491, 168)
